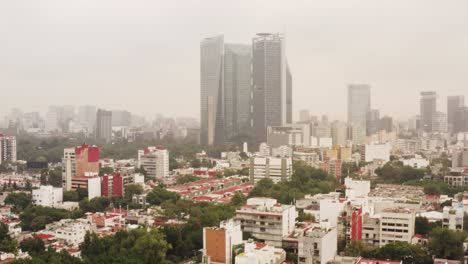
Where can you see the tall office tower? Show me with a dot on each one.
(461, 120)
(339, 132)
(51, 122)
(372, 122)
(359, 103)
(237, 91)
(304, 115)
(453, 104)
(103, 129)
(439, 122)
(211, 89)
(386, 123)
(87, 115)
(7, 148)
(428, 106)
(272, 84)
(121, 118)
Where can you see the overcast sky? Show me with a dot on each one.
(143, 55)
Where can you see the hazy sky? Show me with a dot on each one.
(143, 55)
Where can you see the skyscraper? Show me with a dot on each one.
(7, 148)
(428, 104)
(453, 104)
(272, 84)
(211, 89)
(103, 125)
(237, 91)
(359, 103)
(372, 122)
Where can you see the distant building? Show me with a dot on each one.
(332, 167)
(47, 195)
(81, 161)
(288, 135)
(7, 148)
(375, 152)
(272, 84)
(276, 169)
(428, 107)
(359, 103)
(155, 160)
(439, 122)
(453, 218)
(257, 252)
(454, 103)
(304, 115)
(103, 128)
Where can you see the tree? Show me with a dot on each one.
(402, 251)
(173, 164)
(356, 248)
(422, 226)
(98, 204)
(186, 179)
(238, 199)
(71, 196)
(6, 243)
(19, 201)
(131, 190)
(28, 185)
(55, 177)
(243, 155)
(105, 171)
(446, 243)
(159, 195)
(33, 246)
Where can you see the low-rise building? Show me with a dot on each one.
(318, 245)
(260, 253)
(267, 220)
(453, 218)
(219, 241)
(276, 169)
(47, 195)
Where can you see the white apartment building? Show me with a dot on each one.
(282, 151)
(357, 188)
(259, 253)
(375, 152)
(276, 169)
(7, 148)
(311, 158)
(264, 150)
(71, 232)
(47, 195)
(453, 218)
(417, 162)
(69, 168)
(218, 241)
(267, 220)
(155, 160)
(396, 224)
(318, 245)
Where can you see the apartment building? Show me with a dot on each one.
(318, 245)
(218, 242)
(155, 160)
(47, 195)
(276, 169)
(453, 218)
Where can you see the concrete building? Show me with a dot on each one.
(112, 185)
(272, 84)
(89, 182)
(289, 135)
(453, 218)
(78, 162)
(318, 245)
(237, 91)
(211, 89)
(68, 231)
(359, 103)
(51, 122)
(357, 188)
(218, 241)
(439, 123)
(460, 158)
(311, 158)
(155, 160)
(461, 120)
(373, 152)
(428, 108)
(103, 129)
(396, 224)
(87, 115)
(339, 133)
(267, 220)
(332, 167)
(282, 152)
(276, 169)
(264, 150)
(260, 253)
(453, 104)
(47, 195)
(416, 162)
(456, 178)
(304, 115)
(7, 148)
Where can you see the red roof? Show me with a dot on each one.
(374, 261)
(259, 245)
(43, 236)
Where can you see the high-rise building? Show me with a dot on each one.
(372, 122)
(453, 104)
(428, 108)
(87, 115)
(237, 91)
(121, 118)
(103, 125)
(386, 123)
(7, 148)
(272, 84)
(339, 132)
(51, 122)
(461, 120)
(211, 89)
(155, 160)
(304, 115)
(79, 162)
(439, 122)
(359, 103)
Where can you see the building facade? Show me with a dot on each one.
(103, 129)
(7, 148)
(359, 103)
(276, 169)
(155, 160)
(428, 108)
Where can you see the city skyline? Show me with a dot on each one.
(337, 46)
